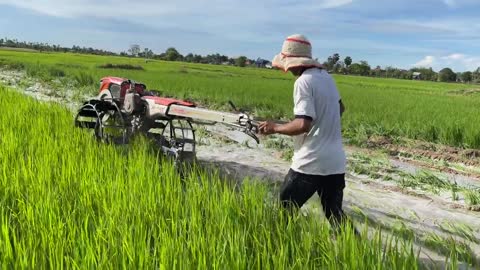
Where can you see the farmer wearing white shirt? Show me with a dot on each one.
(319, 159)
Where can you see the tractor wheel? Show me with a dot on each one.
(176, 138)
(110, 127)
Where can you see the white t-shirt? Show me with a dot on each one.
(320, 151)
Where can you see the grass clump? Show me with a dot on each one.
(56, 72)
(472, 197)
(45, 73)
(121, 66)
(375, 106)
(84, 79)
(69, 202)
(451, 248)
(14, 65)
(462, 230)
(427, 181)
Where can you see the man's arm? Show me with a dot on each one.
(293, 128)
(303, 109)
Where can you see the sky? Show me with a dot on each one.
(399, 33)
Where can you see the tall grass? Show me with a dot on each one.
(435, 112)
(69, 202)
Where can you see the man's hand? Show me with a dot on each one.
(267, 128)
(293, 128)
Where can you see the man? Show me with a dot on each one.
(319, 159)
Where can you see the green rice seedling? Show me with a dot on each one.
(474, 141)
(399, 228)
(287, 154)
(457, 251)
(70, 202)
(38, 70)
(358, 168)
(407, 181)
(454, 136)
(462, 230)
(433, 181)
(433, 133)
(472, 196)
(14, 65)
(202, 134)
(357, 135)
(454, 192)
(357, 211)
(375, 106)
(55, 72)
(84, 79)
(375, 168)
(414, 215)
(425, 180)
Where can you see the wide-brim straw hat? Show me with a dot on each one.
(296, 52)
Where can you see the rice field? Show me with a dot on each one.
(435, 112)
(70, 202)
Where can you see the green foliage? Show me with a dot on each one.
(15, 65)
(427, 74)
(332, 61)
(466, 76)
(362, 68)
(462, 230)
(56, 72)
(171, 54)
(69, 202)
(84, 79)
(348, 61)
(134, 49)
(472, 197)
(241, 61)
(451, 248)
(447, 75)
(374, 106)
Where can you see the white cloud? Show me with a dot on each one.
(454, 57)
(459, 59)
(117, 9)
(397, 33)
(449, 28)
(456, 61)
(126, 9)
(425, 62)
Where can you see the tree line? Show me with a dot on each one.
(333, 64)
(172, 54)
(46, 47)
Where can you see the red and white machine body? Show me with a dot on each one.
(128, 107)
(117, 88)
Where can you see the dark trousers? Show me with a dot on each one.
(298, 188)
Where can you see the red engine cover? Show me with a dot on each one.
(107, 81)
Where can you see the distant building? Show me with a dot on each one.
(416, 76)
(262, 63)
